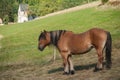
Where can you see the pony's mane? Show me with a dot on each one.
(55, 36)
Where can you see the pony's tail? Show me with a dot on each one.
(108, 50)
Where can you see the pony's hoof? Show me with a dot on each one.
(72, 72)
(66, 73)
(108, 67)
(97, 69)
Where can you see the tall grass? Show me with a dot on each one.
(19, 44)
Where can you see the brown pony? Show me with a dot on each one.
(69, 43)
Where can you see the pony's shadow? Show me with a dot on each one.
(77, 68)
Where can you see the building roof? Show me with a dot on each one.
(23, 7)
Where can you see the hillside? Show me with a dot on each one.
(21, 60)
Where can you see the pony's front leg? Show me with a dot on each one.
(71, 65)
(65, 62)
(68, 65)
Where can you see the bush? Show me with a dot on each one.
(15, 17)
(6, 19)
(46, 7)
(36, 7)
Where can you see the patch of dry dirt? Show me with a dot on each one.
(84, 65)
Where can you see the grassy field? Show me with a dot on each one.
(21, 60)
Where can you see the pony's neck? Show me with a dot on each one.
(55, 36)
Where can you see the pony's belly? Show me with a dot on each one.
(81, 50)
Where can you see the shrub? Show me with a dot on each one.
(15, 17)
(6, 19)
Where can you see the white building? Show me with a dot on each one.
(22, 13)
(1, 22)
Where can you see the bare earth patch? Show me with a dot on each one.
(84, 65)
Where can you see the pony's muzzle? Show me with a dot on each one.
(41, 48)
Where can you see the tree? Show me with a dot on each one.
(37, 7)
(8, 7)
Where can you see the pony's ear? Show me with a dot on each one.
(45, 31)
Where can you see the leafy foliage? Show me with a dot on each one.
(6, 19)
(8, 7)
(36, 7)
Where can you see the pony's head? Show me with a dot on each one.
(47, 38)
(43, 40)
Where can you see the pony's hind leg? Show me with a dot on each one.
(99, 65)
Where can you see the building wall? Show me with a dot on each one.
(22, 13)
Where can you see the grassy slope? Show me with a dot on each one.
(19, 45)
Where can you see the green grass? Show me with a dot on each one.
(19, 44)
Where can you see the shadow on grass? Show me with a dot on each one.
(77, 68)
